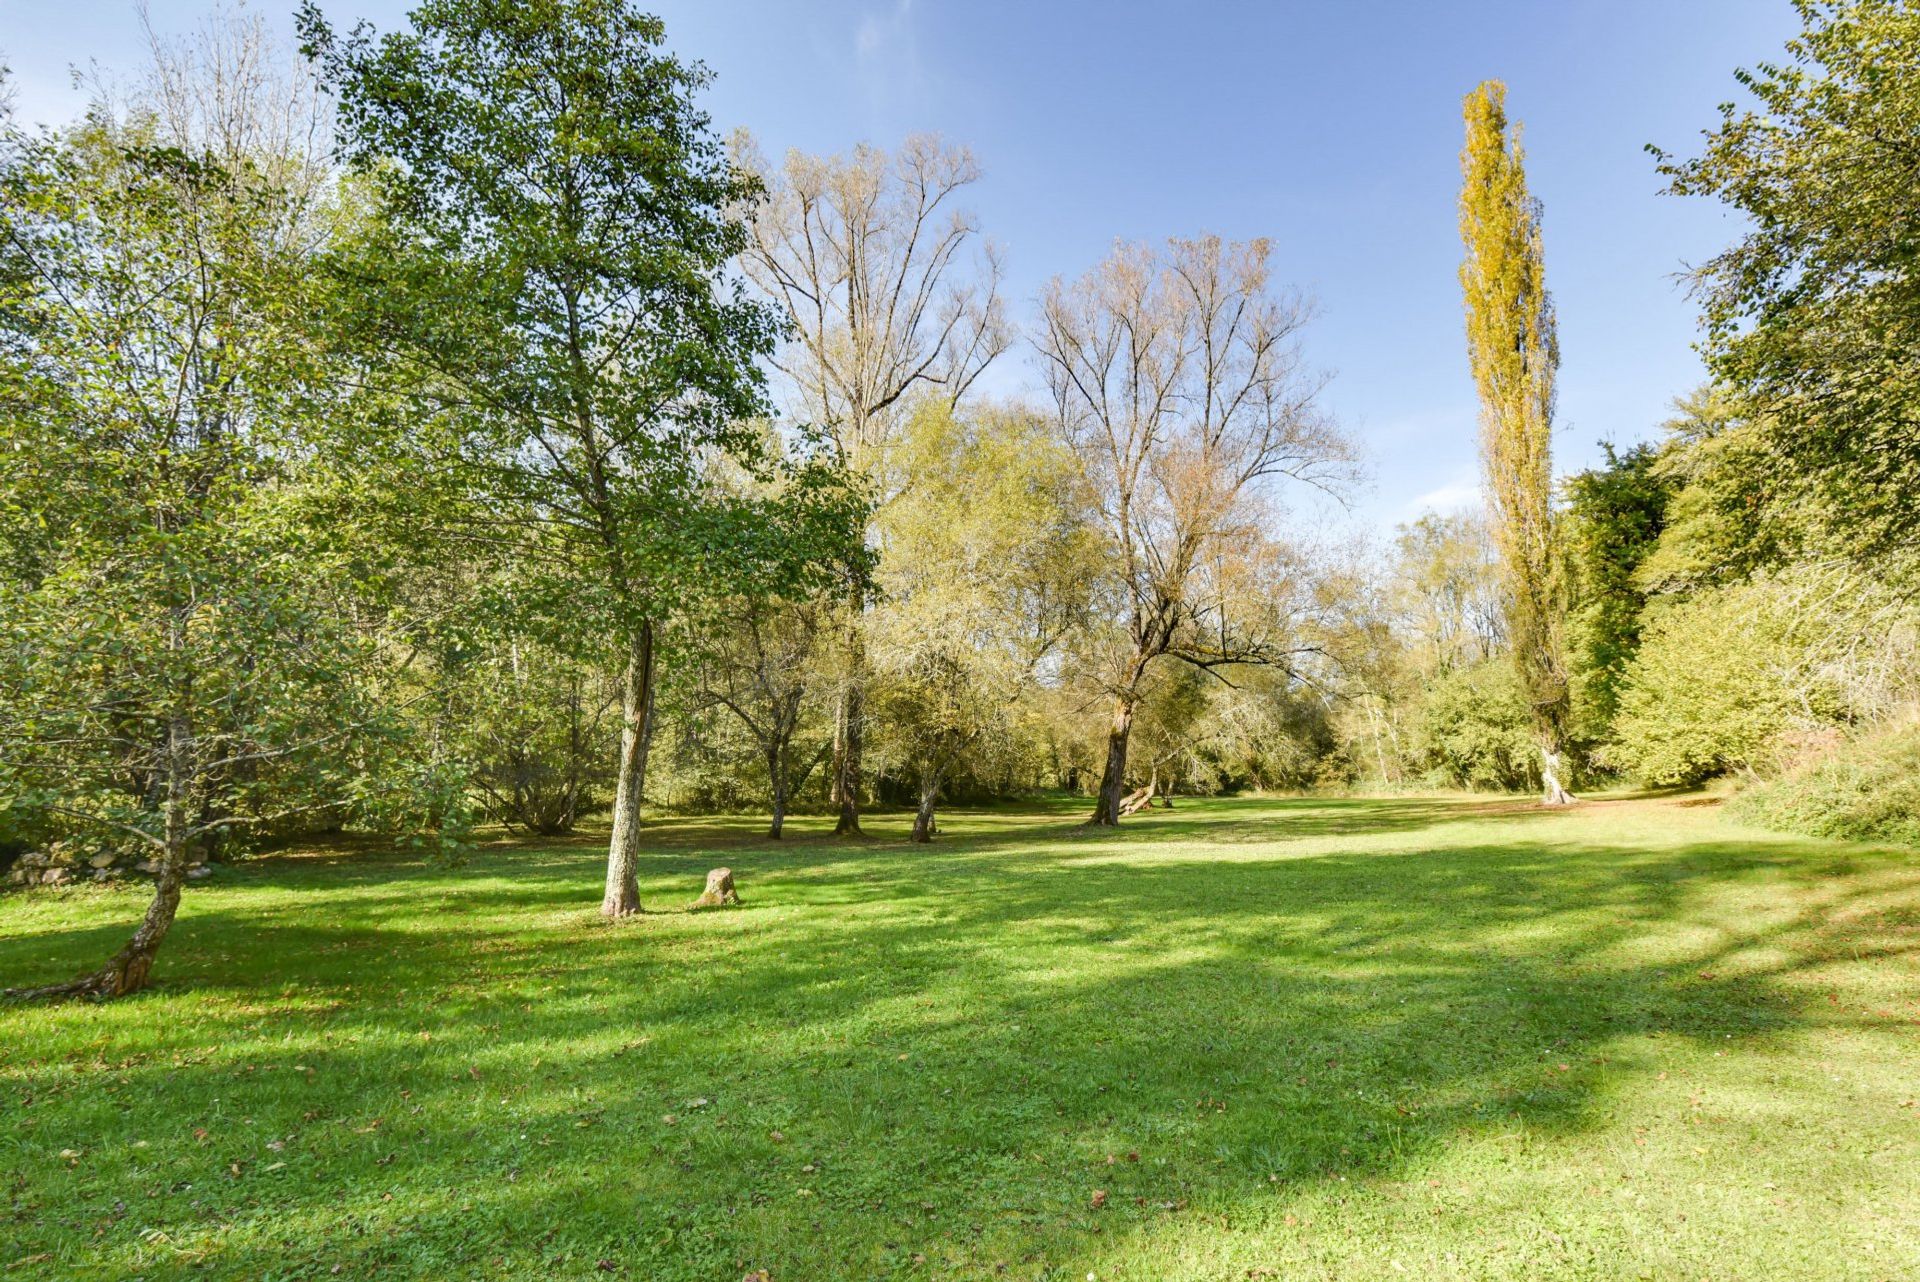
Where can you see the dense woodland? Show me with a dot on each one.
(416, 432)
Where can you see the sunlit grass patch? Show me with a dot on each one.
(1322, 1038)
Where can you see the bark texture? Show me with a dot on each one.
(1553, 791)
(622, 898)
(1136, 801)
(777, 778)
(923, 828)
(1107, 809)
(847, 735)
(130, 969)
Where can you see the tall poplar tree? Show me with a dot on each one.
(1514, 349)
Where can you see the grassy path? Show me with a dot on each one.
(1424, 1038)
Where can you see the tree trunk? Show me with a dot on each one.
(129, 969)
(1113, 782)
(923, 817)
(622, 897)
(777, 779)
(846, 757)
(1553, 791)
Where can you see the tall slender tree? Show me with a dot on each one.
(1514, 349)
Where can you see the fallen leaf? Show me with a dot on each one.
(1099, 1198)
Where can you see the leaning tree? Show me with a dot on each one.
(178, 658)
(1179, 377)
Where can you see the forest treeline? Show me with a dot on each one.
(411, 432)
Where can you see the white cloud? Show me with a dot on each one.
(881, 34)
(1460, 494)
(887, 66)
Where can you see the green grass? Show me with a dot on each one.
(1419, 1038)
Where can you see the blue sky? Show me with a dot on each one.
(1330, 126)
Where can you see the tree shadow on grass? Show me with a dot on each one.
(899, 1053)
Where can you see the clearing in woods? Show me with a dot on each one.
(1410, 1037)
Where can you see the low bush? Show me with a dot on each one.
(1474, 731)
(1866, 790)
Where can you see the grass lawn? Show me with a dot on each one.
(1249, 1038)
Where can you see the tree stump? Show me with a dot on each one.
(719, 892)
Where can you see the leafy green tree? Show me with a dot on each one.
(179, 659)
(541, 720)
(763, 664)
(1514, 348)
(1614, 518)
(983, 574)
(548, 285)
(1814, 314)
(1733, 511)
(1474, 729)
(1737, 678)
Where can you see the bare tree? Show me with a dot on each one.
(760, 671)
(1180, 378)
(890, 291)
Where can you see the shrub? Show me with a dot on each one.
(1474, 731)
(1867, 790)
(1730, 678)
